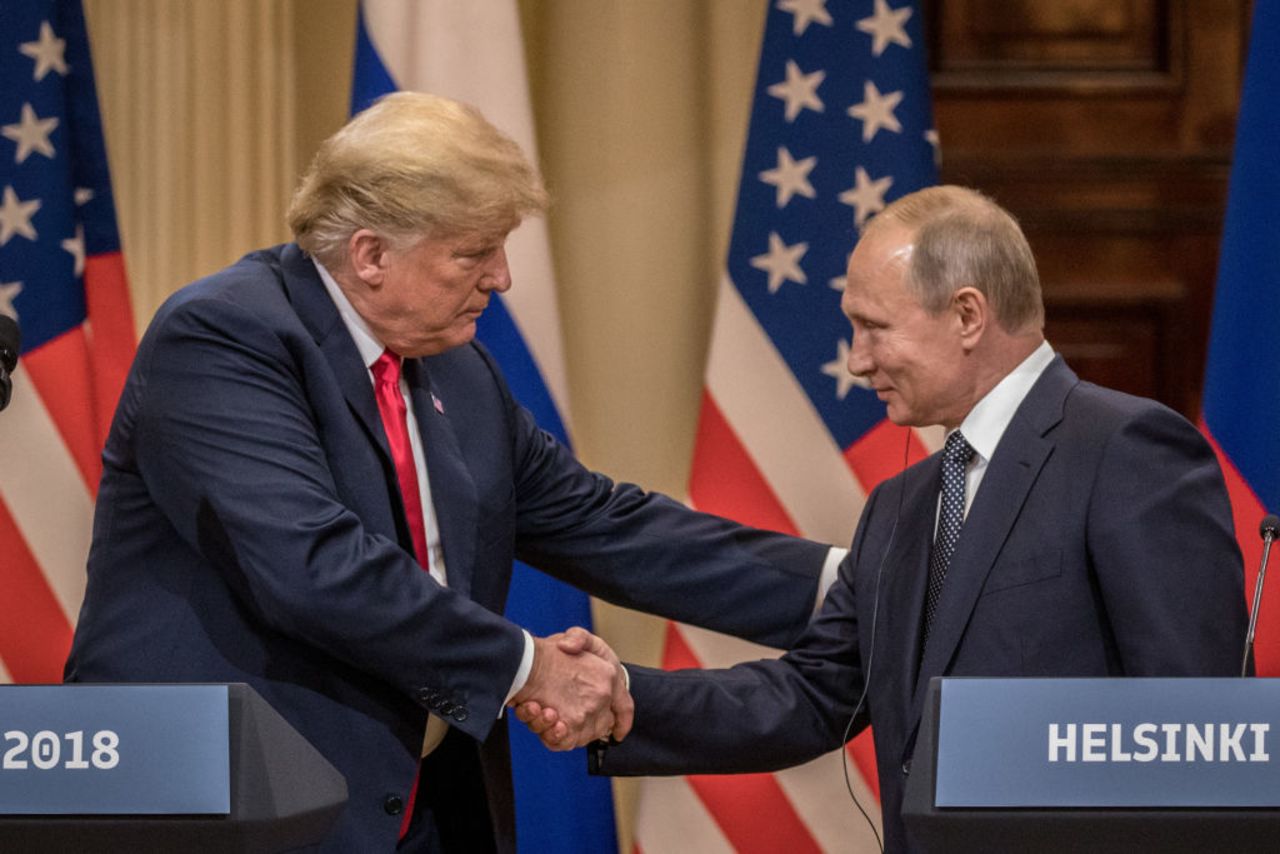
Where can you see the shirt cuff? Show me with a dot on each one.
(522, 674)
(830, 571)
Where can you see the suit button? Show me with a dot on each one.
(393, 805)
(906, 767)
(459, 714)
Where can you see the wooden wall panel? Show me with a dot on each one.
(1106, 127)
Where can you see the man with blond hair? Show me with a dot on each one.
(1064, 530)
(316, 483)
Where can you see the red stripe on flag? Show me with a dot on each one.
(111, 331)
(34, 633)
(62, 372)
(1247, 512)
(863, 752)
(732, 801)
(678, 655)
(878, 455)
(724, 479)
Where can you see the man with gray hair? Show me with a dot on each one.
(316, 483)
(1064, 530)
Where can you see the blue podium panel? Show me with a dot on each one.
(1108, 743)
(114, 749)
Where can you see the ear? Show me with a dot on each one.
(973, 313)
(367, 255)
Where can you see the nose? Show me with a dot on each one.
(859, 363)
(497, 274)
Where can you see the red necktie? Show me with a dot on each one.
(386, 389)
(386, 386)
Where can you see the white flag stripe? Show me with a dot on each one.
(818, 795)
(46, 496)
(772, 416)
(433, 59)
(716, 650)
(671, 817)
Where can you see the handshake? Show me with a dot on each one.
(576, 693)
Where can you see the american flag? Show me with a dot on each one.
(62, 277)
(841, 125)
(1242, 381)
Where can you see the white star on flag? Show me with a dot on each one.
(838, 369)
(805, 12)
(75, 245)
(799, 90)
(47, 52)
(31, 133)
(15, 216)
(8, 292)
(931, 137)
(839, 283)
(790, 176)
(876, 111)
(82, 196)
(866, 196)
(886, 26)
(781, 262)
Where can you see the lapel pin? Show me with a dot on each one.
(435, 401)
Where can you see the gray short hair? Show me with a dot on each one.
(413, 165)
(963, 238)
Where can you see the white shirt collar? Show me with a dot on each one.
(986, 422)
(366, 342)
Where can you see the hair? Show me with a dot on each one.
(964, 239)
(411, 166)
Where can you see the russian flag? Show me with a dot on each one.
(474, 52)
(1242, 382)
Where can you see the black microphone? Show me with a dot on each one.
(1269, 529)
(10, 343)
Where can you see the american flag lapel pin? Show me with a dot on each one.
(435, 401)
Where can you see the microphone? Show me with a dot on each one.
(1268, 530)
(10, 342)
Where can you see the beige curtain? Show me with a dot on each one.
(213, 109)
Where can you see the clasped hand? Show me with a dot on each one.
(576, 693)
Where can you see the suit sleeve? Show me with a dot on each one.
(761, 715)
(643, 550)
(228, 446)
(757, 716)
(1162, 545)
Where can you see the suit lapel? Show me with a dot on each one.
(1010, 475)
(317, 312)
(453, 491)
(906, 573)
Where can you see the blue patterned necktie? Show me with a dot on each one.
(955, 456)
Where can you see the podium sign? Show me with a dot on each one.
(111, 749)
(1108, 743)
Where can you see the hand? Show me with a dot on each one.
(545, 720)
(569, 697)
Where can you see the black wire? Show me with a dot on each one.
(866, 677)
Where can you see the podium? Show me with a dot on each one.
(1098, 765)
(142, 768)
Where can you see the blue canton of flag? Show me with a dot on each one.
(841, 125)
(56, 204)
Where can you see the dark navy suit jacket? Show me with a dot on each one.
(249, 529)
(1099, 543)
